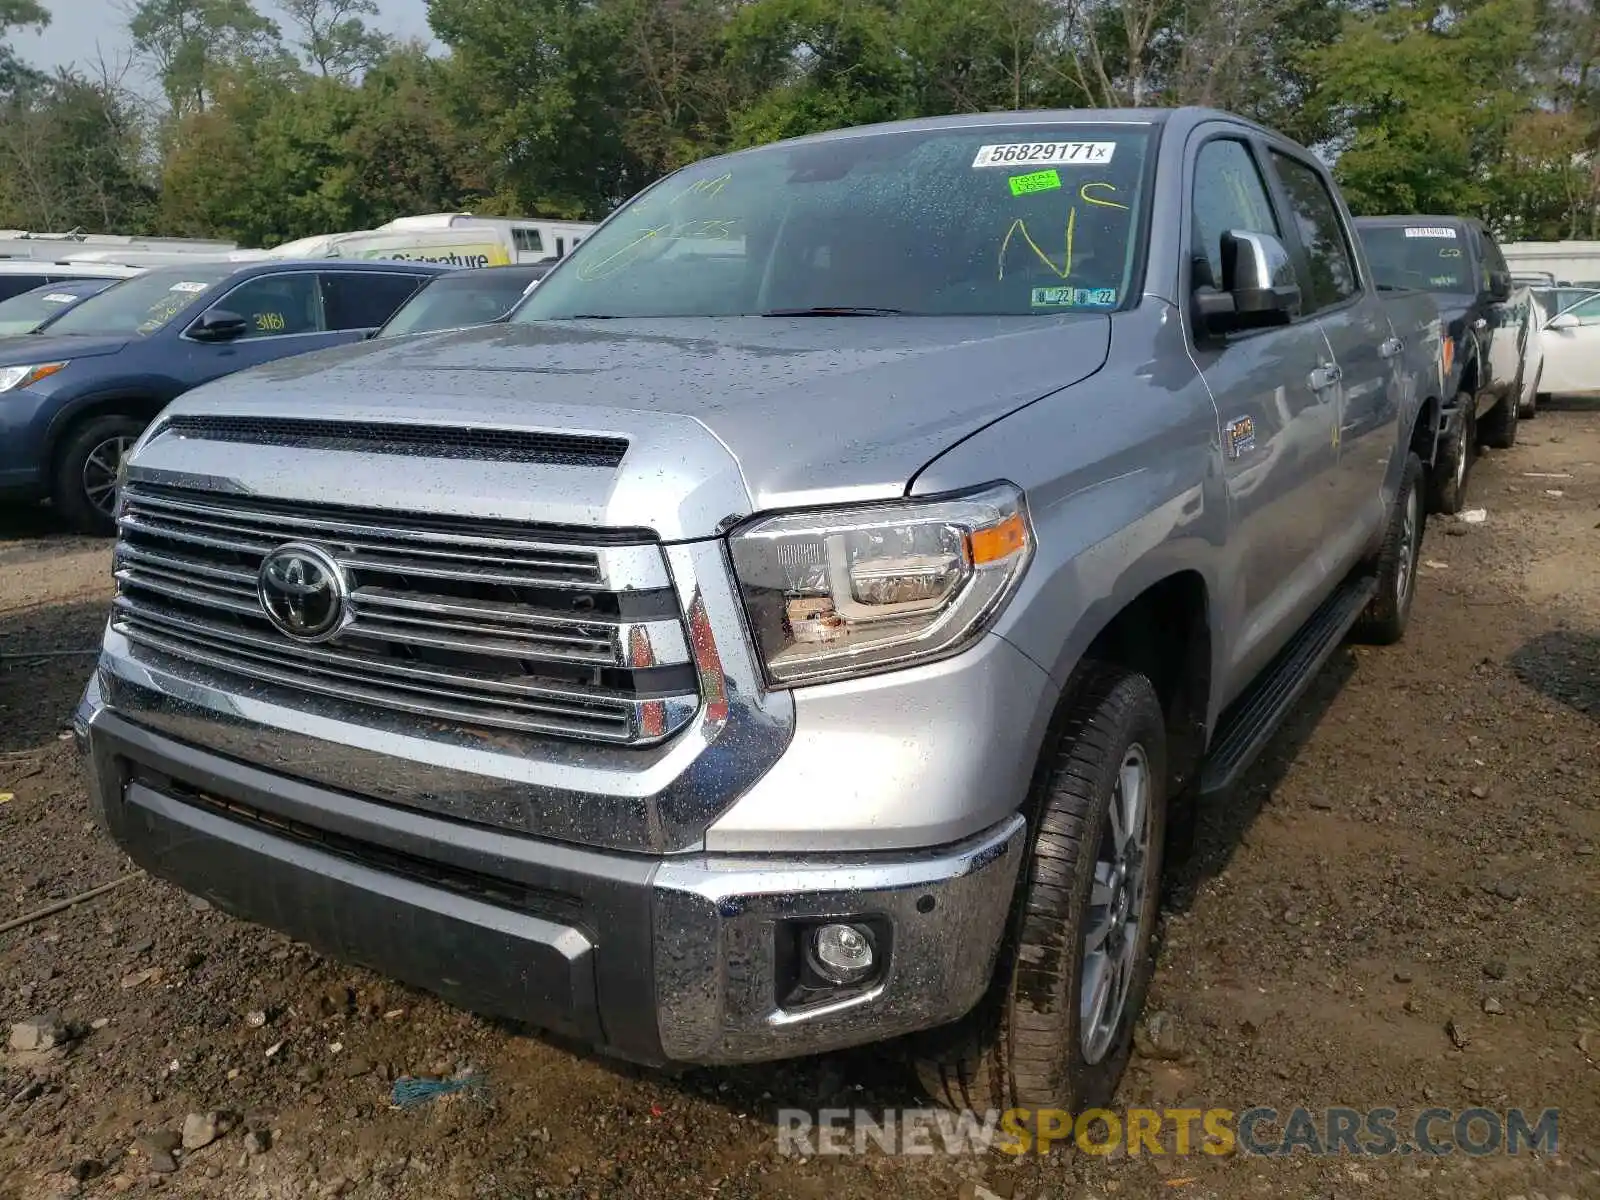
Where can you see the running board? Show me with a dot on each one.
(1254, 717)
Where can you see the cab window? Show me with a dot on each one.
(1331, 266)
(364, 299)
(276, 305)
(1228, 194)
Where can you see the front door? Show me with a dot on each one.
(1274, 398)
(283, 315)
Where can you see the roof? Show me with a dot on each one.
(271, 265)
(1154, 118)
(1395, 220)
(527, 271)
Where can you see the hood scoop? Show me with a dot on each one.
(405, 439)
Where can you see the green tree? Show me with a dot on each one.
(537, 87)
(188, 42)
(15, 75)
(335, 40)
(274, 158)
(70, 157)
(1423, 97)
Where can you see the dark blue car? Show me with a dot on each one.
(76, 394)
(27, 312)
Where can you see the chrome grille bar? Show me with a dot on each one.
(460, 625)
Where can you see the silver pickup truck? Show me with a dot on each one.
(797, 625)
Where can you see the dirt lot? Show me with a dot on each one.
(1399, 908)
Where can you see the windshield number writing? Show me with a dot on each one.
(1055, 153)
(1431, 231)
(271, 322)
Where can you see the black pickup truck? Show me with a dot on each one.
(1456, 258)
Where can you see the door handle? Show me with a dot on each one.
(1391, 347)
(1325, 377)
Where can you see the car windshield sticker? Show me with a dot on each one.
(58, 298)
(188, 287)
(1066, 297)
(1430, 231)
(1016, 154)
(1039, 181)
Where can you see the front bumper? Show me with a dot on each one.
(654, 958)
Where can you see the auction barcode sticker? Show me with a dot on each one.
(1054, 153)
(1431, 231)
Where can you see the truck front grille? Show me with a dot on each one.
(551, 631)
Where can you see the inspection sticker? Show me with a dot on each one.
(1039, 181)
(1430, 231)
(188, 287)
(58, 297)
(1066, 297)
(1017, 154)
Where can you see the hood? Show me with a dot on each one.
(812, 409)
(27, 348)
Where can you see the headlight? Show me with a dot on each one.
(850, 591)
(12, 378)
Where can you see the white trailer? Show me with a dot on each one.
(1569, 262)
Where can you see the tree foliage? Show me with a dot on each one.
(567, 107)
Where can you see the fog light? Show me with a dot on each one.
(841, 953)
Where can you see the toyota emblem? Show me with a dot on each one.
(303, 592)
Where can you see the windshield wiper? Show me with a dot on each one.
(840, 310)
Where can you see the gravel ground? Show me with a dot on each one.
(1398, 908)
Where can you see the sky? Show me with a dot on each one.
(83, 30)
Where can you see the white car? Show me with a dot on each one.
(1570, 345)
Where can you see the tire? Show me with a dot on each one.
(1447, 482)
(1024, 1045)
(88, 458)
(1388, 612)
(1499, 428)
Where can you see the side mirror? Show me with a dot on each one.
(1259, 287)
(218, 325)
(1500, 285)
(1562, 321)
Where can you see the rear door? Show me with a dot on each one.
(1572, 354)
(1276, 417)
(1365, 364)
(356, 302)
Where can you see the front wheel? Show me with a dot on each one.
(85, 485)
(1057, 1026)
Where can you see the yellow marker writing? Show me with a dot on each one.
(1083, 193)
(1017, 226)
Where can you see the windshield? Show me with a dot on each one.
(1430, 258)
(27, 312)
(142, 305)
(472, 297)
(968, 221)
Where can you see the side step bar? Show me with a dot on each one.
(1254, 717)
